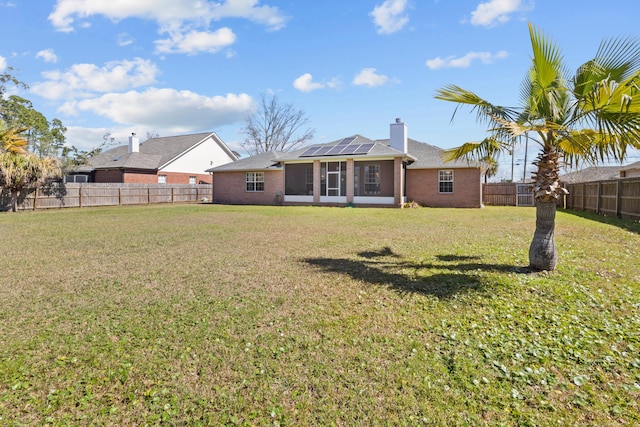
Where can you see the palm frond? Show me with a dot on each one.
(547, 61)
(616, 59)
(477, 150)
(544, 91)
(485, 111)
(11, 141)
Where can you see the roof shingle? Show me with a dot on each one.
(153, 154)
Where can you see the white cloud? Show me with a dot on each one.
(249, 9)
(83, 80)
(390, 16)
(495, 12)
(181, 111)
(186, 22)
(3, 63)
(48, 55)
(196, 41)
(305, 83)
(369, 77)
(124, 39)
(66, 12)
(466, 60)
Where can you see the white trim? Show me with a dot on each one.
(215, 139)
(373, 200)
(333, 199)
(298, 199)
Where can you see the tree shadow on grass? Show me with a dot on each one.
(625, 224)
(445, 277)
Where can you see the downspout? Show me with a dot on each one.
(404, 182)
(211, 173)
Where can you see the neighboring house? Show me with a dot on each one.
(630, 171)
(354, 171)
(594, 173)
(163, 160)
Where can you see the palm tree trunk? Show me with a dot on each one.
(542, 252)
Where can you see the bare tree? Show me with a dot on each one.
(152, 134)
(275, 127)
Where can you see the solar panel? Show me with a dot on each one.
(323, 150)
(363, 149)
(345, 146)
(347, 141)
(311, 151)
(350, 148)
(336, 149)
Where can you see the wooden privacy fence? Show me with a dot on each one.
(71, 195)
(619, 198)
(507, 194)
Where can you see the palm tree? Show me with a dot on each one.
(11, 140)
(591, 116)
(490, 166)
(20, 169)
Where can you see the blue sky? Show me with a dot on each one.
(182, 66)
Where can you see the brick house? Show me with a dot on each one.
(164, 160)
(354, 171)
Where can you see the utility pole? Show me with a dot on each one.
(526, 148)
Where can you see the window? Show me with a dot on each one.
(162, 179)
(309, 179)
(255, 181)
(76, 178)
(372, 179)
(445, 181)
(192, 180)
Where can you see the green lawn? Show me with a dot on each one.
(219, 315)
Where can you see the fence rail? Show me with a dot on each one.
(507, 194)
(73, 195)
(619, 198)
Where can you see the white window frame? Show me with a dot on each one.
(162, 179)
(254, 182)
(192, 180)
(445, 181)
(372, 179)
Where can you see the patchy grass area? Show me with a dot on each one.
(218, 315)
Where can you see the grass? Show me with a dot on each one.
(221, 315)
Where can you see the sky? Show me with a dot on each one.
(170, 67)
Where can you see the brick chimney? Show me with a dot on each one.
(134, 143)
(398, 136)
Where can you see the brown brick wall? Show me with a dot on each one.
(183, 178)
(230, 188)
(140, 177)
(148, 177)
(422, 188)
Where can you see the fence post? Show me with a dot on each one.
(80, 196)
(35, 198)
(618, 198)
(598, 196)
